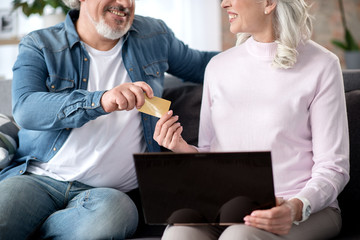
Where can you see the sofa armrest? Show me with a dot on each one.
(5, 97)
(8, 140)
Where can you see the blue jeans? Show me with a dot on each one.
(40, 207)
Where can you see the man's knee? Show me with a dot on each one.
(119, 213)
(19, 216)
(98, 213)
(116, 216)
(16, 194)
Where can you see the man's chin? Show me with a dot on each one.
(107, 32)
(113, 36)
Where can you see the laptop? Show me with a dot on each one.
(203, 188)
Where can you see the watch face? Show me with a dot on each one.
(308, 211)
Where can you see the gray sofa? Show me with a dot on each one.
(186, 100)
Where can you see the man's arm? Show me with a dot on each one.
(187, 63)
(36, 106)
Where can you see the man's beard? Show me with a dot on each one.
(106, 31)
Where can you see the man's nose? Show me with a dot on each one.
(126, 3)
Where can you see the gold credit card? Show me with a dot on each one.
(155, 106)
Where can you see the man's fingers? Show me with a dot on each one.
(126, 96)
(130, 98)
(145, 88)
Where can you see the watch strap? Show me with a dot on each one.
(306, 210)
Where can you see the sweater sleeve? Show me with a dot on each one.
(206, 130)
(330, 139)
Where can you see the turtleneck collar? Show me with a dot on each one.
(261, 50)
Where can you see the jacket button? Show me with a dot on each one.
(54, 149)
(21, 171)
(85, 59)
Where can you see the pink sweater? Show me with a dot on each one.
(299, 114)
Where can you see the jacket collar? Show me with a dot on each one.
(73, 36)
(71, 18)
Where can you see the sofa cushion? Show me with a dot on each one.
(8, 140)
(349, 198)
(186, 103)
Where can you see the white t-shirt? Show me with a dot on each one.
(100, 152)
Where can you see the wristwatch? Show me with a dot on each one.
(306, 210)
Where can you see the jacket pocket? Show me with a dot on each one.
(156, 69)
(59, 84)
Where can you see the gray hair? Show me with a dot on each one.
(292, 25)
(72, 4)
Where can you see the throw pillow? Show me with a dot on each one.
(8, 140)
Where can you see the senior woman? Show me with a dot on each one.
(276, 90)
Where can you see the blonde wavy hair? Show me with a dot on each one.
(292, 25)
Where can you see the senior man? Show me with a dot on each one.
(76, 87)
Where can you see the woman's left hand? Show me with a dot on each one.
(277, 220)
(168, 134)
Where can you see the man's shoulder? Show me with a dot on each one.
(148, 25)
(53, 38)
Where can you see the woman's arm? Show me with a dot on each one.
(330, 140)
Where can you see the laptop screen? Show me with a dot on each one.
(204, 188)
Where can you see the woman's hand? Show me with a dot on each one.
(168, 134)
(126, 96)
(277, 220)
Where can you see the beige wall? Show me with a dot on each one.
(327, 24)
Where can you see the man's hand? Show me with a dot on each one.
(126, 96)
(277, 220)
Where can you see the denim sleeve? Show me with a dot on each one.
(186, 63)
(35, 107)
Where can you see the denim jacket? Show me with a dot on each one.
(50, 77)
